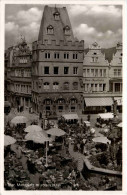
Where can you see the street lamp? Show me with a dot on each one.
(46, 165)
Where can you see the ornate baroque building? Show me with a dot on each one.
(18, 71)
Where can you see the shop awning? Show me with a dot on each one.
(99, 101)
(106, 115)
(70, 116)
(119, 100)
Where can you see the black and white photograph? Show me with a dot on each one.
(63, 96)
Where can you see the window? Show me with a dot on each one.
(88, 72)
(104, 87)
(117, 87)
(22, 73)
(61, 101)
(56, 55)
(87, 87)
(66, 55)
(47, 108)
(66, 86)
(96, 72)
(94, 59)
(73, 101)
(91, 87)
(100, 87)
(75, 85)
(120, 59)
(104, 72)
(56, 70)
(75, 70)
(75, 55)
(47, 101)
(119, 72)
(60, 108)
(95, 87)
(84, 73)
(56, 15)
(46, 70)
(46, 85)
(50, 30)
(66, 30)
(92, 72)
(66, 70)
(100, 72)
(47, 55)
(23, 60)
(55, 85)
(72, 108)
(115, 72)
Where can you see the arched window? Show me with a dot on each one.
(50, 30)
(46, 85)
(60, 101)
(66, 86)
(55, 85)
(73, 101)
(75, 85)
(47, 101)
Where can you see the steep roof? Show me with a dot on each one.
(58, 25)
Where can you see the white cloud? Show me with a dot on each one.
(109, 10)
(30, 15)
(11, 26)
(84, 29)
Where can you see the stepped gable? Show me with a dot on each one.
(56, 25)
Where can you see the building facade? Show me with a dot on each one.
(115, 76)
(19, 75)
(57, 66)
(102, 80)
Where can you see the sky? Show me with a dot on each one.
(101, 23)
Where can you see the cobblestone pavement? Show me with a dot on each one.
(77, 157)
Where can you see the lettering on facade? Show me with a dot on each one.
(94, 79)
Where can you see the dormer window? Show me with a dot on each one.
(67, 30)
(56, 15)
(50, 30)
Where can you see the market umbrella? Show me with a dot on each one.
(38, 137)
(103, 140)
(33, 128)
(56, 132)
(19, 119)
(8, 140)
(120, 125)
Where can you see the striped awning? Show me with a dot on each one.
(99, 101)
